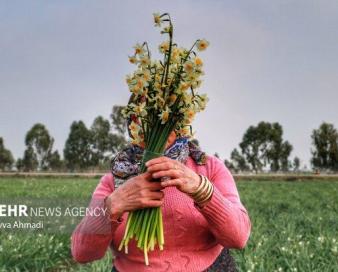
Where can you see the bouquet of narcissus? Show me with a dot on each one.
(164, 99)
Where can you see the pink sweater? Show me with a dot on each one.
(194, 237)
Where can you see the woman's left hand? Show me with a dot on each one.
(185, 179)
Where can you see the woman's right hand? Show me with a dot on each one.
(136, 193)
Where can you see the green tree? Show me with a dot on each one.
(30, 161)
(19, 164)
(78, 151)
(296, 164)
(119, 130)
(40, 143)
(278, 151)
(55, 161)
(230, 165)
(119, 123)
(104, 142)
(325, 147)
(101, 140)
(238, 162)
(6, 157)
(263, 146)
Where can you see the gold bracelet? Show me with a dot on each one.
(207, 198)
(201, 192)
(204, 197)
(199, 188)
(207, 194)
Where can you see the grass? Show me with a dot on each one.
(294, 227)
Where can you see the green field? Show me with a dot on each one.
(294, 227)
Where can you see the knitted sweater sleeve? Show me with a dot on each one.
(227, 217)
(94, 234)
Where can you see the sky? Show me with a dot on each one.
(274, 61)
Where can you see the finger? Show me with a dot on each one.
(169, 173)
(153, 185)
(155, 195)
(152, 203)
(157, 160)
(171, 182)
(166, 165)
(146, 176)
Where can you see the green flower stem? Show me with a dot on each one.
(158, 232)
(138, 223)
(161, 228)
(155, 225)
(146, 235)
(144, 225)
(155, 131)
(130, 217)
(132, 227)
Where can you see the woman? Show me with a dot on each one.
(198, 224)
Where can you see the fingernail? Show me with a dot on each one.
(147, 164)
(154, 176)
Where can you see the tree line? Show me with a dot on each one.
(262, 148)
(85, 148)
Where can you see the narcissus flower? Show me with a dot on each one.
(137, 84)
(183, 87)
(189, 67)
(196, 84)
(198, 61)
(144, 61)
(164, 115)
(166, 29)
(158, 101)
(164, 47)
(139, 109)
(138, 49)
(157, 19)
(175, 55)
(187, 99)
(202, 44)
(200, 102)
(146, 75)
(134, 128)
(172, 99)
(129, 79)
(184, 131)
(189, 115)
(133, 59)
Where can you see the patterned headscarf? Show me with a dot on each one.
(127, 163)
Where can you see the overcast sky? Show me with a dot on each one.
(275, 61)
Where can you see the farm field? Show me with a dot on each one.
(294, 226)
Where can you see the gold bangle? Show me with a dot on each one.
(207, 191)
(199, 188)
(207, 194)
(208, 197)
(202, 190)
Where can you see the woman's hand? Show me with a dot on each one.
(185, 179)
(136, 193)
